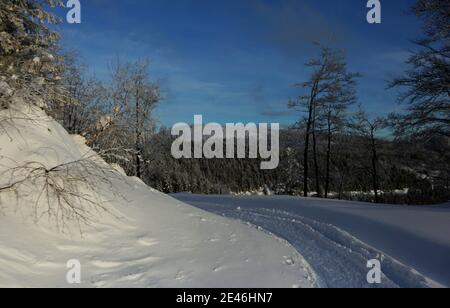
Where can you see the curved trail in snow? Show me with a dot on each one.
(337, 257)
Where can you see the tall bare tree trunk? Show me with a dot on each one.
(341, 186)
(316, 162)
(327, 181)
(305, 165)
(374, 167)
(138, 136)
(307, 136)
(329, 136)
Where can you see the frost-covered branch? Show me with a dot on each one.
(72, 192)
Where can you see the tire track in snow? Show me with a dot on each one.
(338, 259)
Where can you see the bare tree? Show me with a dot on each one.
(134, 96)
(334, 113)
(368, 129)
(329, 84)
(86, 99)
(427, 82)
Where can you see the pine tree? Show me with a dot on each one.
(29, 65)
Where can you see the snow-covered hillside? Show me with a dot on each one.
(136, 236)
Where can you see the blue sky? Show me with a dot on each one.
(238, 60)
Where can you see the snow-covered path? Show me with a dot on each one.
(337, 238)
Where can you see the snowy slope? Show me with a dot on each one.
(337, 238)
(138, 238)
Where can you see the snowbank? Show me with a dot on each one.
(132, 235)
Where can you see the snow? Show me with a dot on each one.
(5, 89)
(138, 238)
(337, 238)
